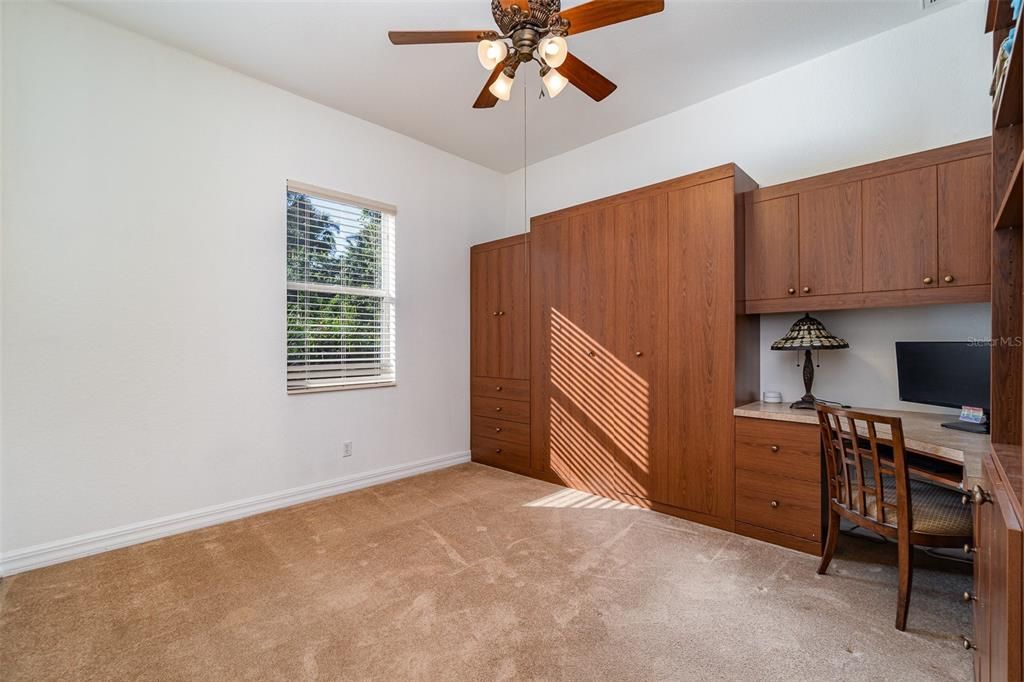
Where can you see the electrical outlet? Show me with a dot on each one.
(347, 452)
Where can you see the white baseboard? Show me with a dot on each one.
(79, 546)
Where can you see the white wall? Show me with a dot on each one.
(143, 283)
(916, 87)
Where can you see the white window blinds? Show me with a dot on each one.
(341, 291)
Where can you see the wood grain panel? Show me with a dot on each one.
(498, 408)
(1007, 329)
(513, 321)
(965, 222)
(796, 509)
(484, 303)
(830, 240)
(508, 389)
(779, 448)
(900, 233)
(698, 472)
(772, 249)
(500, 453)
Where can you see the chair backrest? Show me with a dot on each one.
(867, 469)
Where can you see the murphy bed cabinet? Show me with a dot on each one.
(907, 231)
(639, 349)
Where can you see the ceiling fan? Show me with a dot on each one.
(535, 30)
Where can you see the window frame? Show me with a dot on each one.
(387, 294)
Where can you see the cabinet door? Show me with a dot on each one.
(830, 240)
(484, 303)
(513, 321)
(638, 341)
(772, 246)
(965, 222)
(697, 474)
(900, 232)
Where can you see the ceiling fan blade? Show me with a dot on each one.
(486, 100)
(600, 13)
(596, 86)
(434, 37)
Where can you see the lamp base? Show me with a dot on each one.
(805, 403)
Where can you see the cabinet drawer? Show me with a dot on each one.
(498, 408)
(490, 451)
(779, 448)
(796, 509)
(499, 429)
(509, 389)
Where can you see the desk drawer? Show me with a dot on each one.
(797, 504)
(497, 408)
(490, 451)
(779, 448)
(508, 389)
(499, 429)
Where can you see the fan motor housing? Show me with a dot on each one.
(525, 41)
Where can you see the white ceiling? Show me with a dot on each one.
(337, 53)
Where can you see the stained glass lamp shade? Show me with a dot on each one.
(808, 334)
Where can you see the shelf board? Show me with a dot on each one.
(999, 15)
(1011, 209)
(1011, 100)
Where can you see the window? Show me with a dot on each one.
(341, 291)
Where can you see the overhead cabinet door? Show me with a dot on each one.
(772, 241)
(965, 222)
(830, 240)
(900, 231)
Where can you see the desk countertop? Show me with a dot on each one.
(922, 431)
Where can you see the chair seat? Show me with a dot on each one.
(936, 510)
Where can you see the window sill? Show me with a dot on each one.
(342, 387)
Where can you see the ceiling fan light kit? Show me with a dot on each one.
(536, 30)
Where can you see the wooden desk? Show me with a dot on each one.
(922, 431)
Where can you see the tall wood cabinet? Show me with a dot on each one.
(634, 347)
(500, 353)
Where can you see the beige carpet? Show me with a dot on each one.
(474, 574)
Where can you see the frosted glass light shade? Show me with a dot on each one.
(502, 87)
(553, 50)
(554, 82)
(491, 53)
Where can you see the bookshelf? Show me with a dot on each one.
(1007, 220)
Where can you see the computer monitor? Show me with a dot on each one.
(944, 373)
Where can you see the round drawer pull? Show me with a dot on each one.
(927, 280)
(497, 409)
(948, 279)
(494, 314)
(639, 353)
(497, 429)
(968, 550)
(968, 597)
(791, 291)
(774, 504)
(497, 451)
(968, 644)
(498, 388)
(775, 448)
(806, 290)
(591, 353)
(501, 313)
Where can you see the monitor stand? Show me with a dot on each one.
(970, 427)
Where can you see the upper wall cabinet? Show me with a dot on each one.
(900, 238)
(907, 231)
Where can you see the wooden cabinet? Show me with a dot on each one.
(772, 247)
(900, 233)
(830, 240)
(908, 231)
(500, 353)
(997, 597)
(965, 222)
(635, 345)
(499, 303)
(779, 495)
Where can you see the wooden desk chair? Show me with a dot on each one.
(869, 485)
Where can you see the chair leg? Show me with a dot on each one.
(906, 570)
(830, 541)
